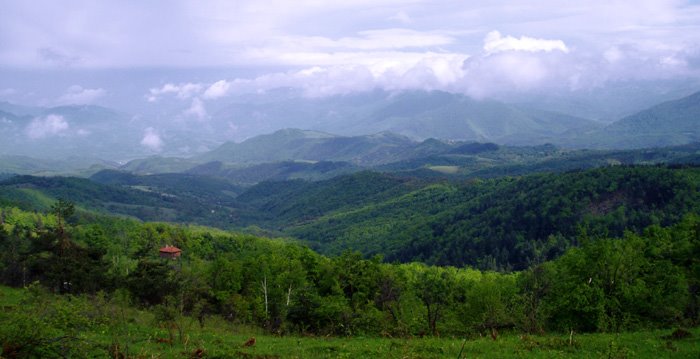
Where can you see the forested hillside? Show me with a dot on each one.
(605, 284)
(509, 222)
(500, 224)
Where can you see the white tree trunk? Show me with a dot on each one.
(264, 288)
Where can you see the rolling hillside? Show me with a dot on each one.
(670, 123)
(300, 145)
(501, 223)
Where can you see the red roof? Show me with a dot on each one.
(170, 249)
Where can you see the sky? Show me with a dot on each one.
(321, 48)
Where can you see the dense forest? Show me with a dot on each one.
(605, 284)
(508, 222)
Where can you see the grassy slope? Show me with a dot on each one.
(137, 330)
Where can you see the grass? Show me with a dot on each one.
(225, 341)
(136, 333)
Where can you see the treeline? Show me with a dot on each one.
(642, 280)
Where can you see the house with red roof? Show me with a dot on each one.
(171, 252)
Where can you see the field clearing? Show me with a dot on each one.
(445, 169)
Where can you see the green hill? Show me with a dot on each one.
(176, 198)
(508, 222)
(274, 171)
(670, 123)
(293, 144)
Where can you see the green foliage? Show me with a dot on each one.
(507, 223)
(49, 326)
(640, 280)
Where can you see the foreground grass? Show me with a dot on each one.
(222, 342)
(126, 332)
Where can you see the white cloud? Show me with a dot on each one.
(613, 55)
(508, 71)
(196, 110)
(182, 91)
(363, 44)
(42, 127)
(505, 64)
(220, 33)
(494, 42)
(217, 89)
(151, 139)
(77, 95)
(401, 17)
(400, 72)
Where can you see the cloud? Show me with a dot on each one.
(366, 47)
(76, 95)
(494, 42)
(613, 55)
(8, 92)
(401, 17)
(217, 89)
(196, 110)
(151, 140)
(222, 33)
(330, 47)
(182, 91)
(57, 57)
(43, 127)
(489, 75)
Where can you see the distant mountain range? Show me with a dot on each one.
(418, 115)
(372, 129)
(294, 144)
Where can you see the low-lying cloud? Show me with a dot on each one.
(48, 126)
(217, 89)
(77, 95)
(196, 110)
(152, 140)
(494, 42)
(182, 91)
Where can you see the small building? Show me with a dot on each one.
(171, 252)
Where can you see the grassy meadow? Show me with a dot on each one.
(82, 326)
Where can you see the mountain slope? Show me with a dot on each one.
(300, 145)
(274, 171)
(508, 222)
(670, 123)
(186, 202)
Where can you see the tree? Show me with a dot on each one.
(63, 210)
(435, 287)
